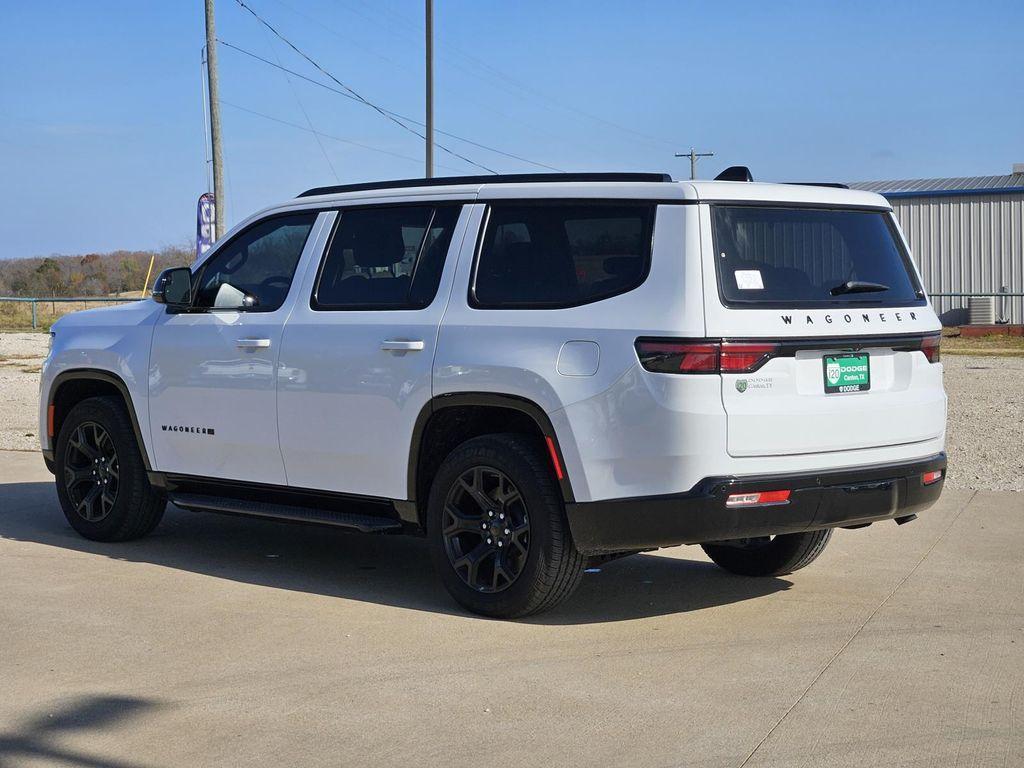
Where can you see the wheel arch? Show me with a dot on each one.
(72, 387)
(480, 412)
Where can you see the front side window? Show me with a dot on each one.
(549, 255)
(254, 270)
(386, 258)
(777, 256)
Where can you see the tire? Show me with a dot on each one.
(97, 443)
(775, 556)
(539, 564)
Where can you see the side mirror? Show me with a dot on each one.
(174, 288)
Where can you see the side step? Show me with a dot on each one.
(363, 523)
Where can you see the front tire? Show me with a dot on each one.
(498, 533)
(101, 478)
(769, 555)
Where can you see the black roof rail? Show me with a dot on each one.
(496, 178)
(832, 184)
(735, 173)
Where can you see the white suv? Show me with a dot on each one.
(531, 371)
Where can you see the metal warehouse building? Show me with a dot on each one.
(967, 237)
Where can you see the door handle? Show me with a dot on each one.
(402, 345)
(253, 343)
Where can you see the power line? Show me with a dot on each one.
(370, 147)
(479, 66)
(351, 41)
(400, 116)
(305, 114)
(382, 112)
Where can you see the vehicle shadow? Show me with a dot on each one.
(38, 737)
(388, 570)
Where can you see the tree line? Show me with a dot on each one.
(92, 274)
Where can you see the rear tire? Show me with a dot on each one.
(776, 556)
(101, 478)
(498, 533)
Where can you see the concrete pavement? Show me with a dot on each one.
(222, 641)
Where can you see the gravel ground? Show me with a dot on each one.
(985, 437)
(21, 355)
(985, 422)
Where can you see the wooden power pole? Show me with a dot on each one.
(693, 155)
(219, 196)
(430, 88)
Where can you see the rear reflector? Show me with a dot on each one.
(757, 499)
(49, 420)
(928, 478)
(554, 457)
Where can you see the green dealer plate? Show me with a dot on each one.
(846, 373)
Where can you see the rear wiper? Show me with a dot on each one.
(858, 286)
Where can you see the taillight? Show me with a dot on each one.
(668, 356)
(930, 347)
(678, 356)
(757, 499)
(930, 478)
(745, 357)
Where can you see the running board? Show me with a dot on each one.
(363, 523)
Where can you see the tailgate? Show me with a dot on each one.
(816, 397)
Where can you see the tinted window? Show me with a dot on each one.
(386, 258)
(554, 255)
(808, 256)
(255, 269)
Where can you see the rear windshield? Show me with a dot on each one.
(784, 257)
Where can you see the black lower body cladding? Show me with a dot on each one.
(827, 499)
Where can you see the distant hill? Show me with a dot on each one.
(92, 274)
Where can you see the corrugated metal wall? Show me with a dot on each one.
(967, 243)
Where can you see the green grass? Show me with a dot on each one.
(994, 345)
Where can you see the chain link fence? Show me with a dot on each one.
(18, 313)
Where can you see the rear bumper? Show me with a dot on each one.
(826, 499)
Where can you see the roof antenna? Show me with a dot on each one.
(735, 173)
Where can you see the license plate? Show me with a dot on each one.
(846, 373)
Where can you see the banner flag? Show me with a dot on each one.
(206, 215)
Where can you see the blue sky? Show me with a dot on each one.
(101, 115)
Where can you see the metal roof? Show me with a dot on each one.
(965, 185)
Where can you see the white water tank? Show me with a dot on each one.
(981, 310)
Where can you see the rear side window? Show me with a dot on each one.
(785, 257)
(386, 258)
(550, 255)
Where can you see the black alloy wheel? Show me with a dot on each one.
(486, 529)
(101, 476)
(91, 471)
(496, 525)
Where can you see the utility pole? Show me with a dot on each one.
(693, 155)
(430, 88)
(219, 197)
